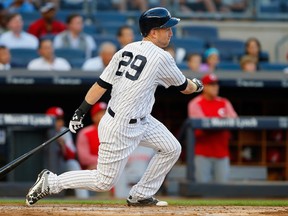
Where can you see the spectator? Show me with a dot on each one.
(74, 37)
(5, 58)
(47, 59)
(47, 24)
(194, 62)
(61, 156)
(236, 5)
(212, 59)
(15, 37)
(248, 64)
(106, 52)
(171, 49)
(125, 35)
(211, 146)
(18, 6)
(87, 141)
(253, 48)
(197, 6)
(127, 5)
(3, 19)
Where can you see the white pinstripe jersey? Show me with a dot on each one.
(134, 73)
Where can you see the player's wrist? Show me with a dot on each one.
(84, 107)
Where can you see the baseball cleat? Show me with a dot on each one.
(146, 202)
(39, 189)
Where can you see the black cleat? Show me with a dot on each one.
(145, 202)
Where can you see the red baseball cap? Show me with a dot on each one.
(209, 78)
(98, 107)
(55, 111)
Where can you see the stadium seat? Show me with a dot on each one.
(62, 15)
(183, 66)
(191, 45)
(277, 67)
(91, 29)
(30, 17)
(229, 49)
(70, 5)
(270, 7)
(207, 33)
(100, 18)
(110, 27)
(99, 39)
(77, 63)
(228, 66)
(71, 55)
(22, 56)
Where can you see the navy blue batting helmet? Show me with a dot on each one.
(157, 17)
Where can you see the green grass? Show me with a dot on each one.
(172, 201)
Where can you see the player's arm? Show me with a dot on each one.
(192, 86)
(93, 95)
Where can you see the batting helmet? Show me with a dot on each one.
(157, 17)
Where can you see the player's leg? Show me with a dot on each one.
(203, 169)
(74, 165)
(168, 150)
(221, 169)
(113, 154)
(114, 150)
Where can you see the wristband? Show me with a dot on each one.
(84, 107)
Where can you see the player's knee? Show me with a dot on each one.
(177, 150)
(106, 186)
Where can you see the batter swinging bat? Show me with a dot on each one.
(13, 164)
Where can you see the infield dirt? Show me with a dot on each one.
(121, 210)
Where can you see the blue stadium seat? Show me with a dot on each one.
(270, 7)
(91, 29)
(99, 39)
(22, 56)
(77, 63)
(183, 66)
(64, 5)
(277, 67)
(102, 17)
(104, 5)
(228, 66)
(30, 17)
(71, 55)
(62, 15)
(207, 33)
(110, 27)
(191, 45)
(229, 49)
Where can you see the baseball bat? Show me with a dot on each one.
(13, 164)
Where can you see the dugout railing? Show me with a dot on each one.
(230, 189)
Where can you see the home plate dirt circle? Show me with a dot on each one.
(121, 210)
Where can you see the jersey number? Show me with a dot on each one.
(131, 62)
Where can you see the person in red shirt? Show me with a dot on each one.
(211, 146)
(87, 141)
(47, 25)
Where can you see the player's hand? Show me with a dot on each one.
(199, 84)
(76, 122)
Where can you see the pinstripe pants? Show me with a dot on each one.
(118, 140)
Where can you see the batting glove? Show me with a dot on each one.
(76, 122)
(199, 84)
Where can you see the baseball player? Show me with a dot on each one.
(133, 75)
